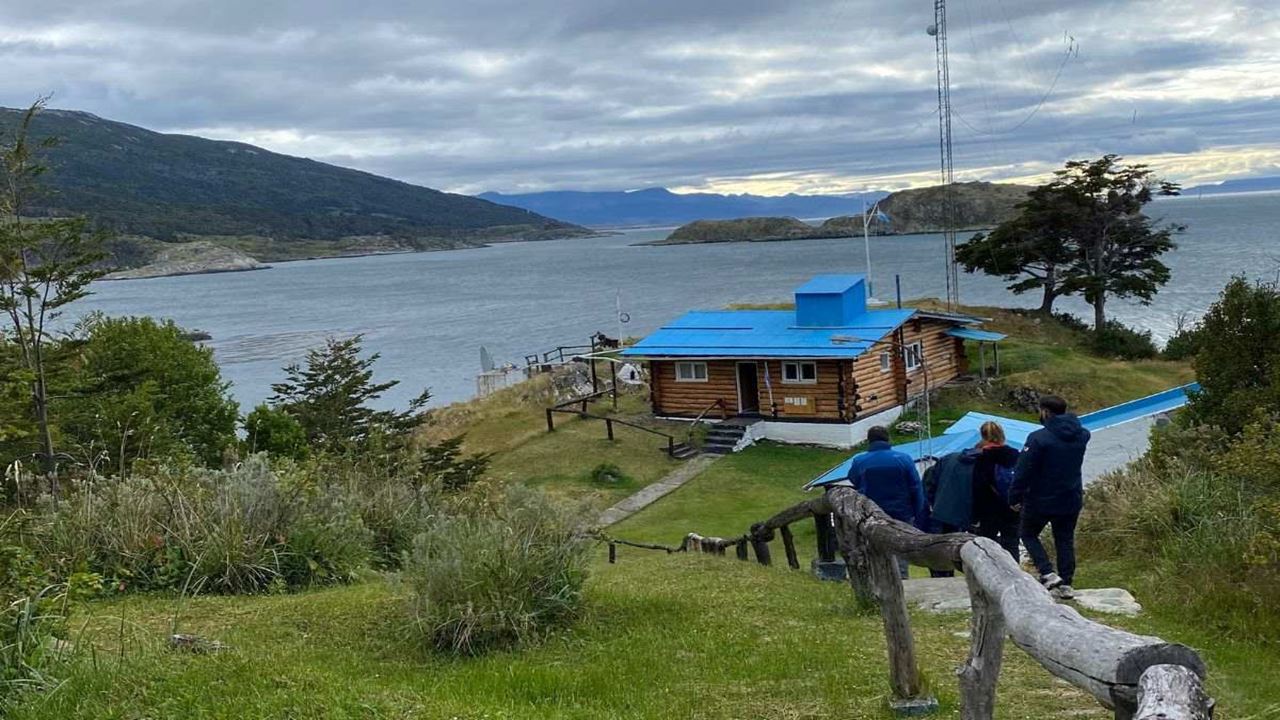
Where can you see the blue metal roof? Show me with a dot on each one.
(765, 334)
(969, 333)
(964, 433)
(830, 284)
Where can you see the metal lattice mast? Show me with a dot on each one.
(939, 32)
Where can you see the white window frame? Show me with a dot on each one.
(799, 366)
(886, 361)
(913, 355)
(687, 372)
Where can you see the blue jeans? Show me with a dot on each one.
(1064, 541)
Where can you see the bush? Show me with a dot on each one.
(244, 530)
(1184, 344)
(609, 475)
(1071, 322)
(1239, 372)
(1119, 341)
(275, 432)
(497, 580)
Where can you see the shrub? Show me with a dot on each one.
(609, 475)
(1239, 372)
(1071, 322)
(497, 580)
(1185, 342)
(1119, 341)
(243, 530)
(275, 432)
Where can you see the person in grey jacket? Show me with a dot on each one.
(1048, 488)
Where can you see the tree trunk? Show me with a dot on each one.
(1050, 285)
(1099, 313)
(48, 460)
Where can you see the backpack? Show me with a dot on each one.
(1004, 481)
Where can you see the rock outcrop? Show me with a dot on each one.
(190, 258)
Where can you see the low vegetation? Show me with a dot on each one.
(1200, 516)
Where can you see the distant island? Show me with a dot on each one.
(978, 205)
(154, 193)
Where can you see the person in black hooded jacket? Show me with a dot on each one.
(991, 512)
(1048, 487)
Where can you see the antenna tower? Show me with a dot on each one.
(939, 32)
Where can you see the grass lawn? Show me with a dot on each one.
(512, 426)
(665, 636)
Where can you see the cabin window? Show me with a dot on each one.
(691, 372)
(886, 362)
(913, 355)
(800, 372)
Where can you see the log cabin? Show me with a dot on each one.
(830, 361)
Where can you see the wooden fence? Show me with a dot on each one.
(1139, 677)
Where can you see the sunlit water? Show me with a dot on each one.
(428, 314)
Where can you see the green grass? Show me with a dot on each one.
(666, 636)
(512, 425)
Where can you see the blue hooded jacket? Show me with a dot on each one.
(890, 479)
(1047, 479)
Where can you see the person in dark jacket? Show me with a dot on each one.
(992, 515)
(948, 492)
(1049, 489)
(890, 479)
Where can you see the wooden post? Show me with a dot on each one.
(613, 382)
(608, 426)
(982, 361)
(551, 423)
(980, 672)
(904, 673)
(789, 546)
(742, 550)
(613, 553)
(1172, 692)
(761, 548)
(857, 564)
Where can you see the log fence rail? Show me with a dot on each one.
(1138, 677)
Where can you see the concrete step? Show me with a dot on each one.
(683, 451)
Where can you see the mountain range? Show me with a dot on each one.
(659, 206)
(1227, 187)
(149, 186)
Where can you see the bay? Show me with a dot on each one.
(428, 314)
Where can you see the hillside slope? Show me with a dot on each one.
(136, 181)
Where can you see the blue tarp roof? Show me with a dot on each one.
(964, 433)
(969, 333)
(765, 333)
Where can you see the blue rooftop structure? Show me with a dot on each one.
(831, 320)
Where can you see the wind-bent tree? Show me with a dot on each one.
(1029, 251)
(1117, 247)
(45, 264)
(1084, 233)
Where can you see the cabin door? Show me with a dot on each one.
(748, 388)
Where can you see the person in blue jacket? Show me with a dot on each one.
(890, 479)
(1048, 488)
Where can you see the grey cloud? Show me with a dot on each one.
(594, 94)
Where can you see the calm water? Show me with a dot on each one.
(428, 314)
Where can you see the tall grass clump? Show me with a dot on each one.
(32, 612)
(497, 579)
(244, 530)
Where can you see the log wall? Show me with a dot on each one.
(845, 389)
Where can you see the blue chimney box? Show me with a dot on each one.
(831, 301)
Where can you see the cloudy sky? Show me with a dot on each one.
(767, 96)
